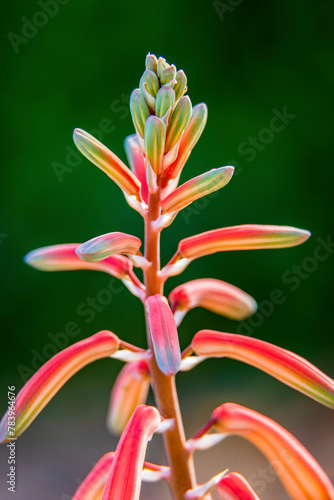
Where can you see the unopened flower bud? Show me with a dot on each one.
(155, 133)
(164, 101)
(151, 62)
(181, 84)
(178, 122)
(168, 74)
(139, 111)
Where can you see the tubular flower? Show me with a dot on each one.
(214, 295)
(234, 486)
(47, 381)
(124, 480)
(245, 237)
(196, 188)
(163, 333)
(284, 365)
(108, 162)
(129, 391)
(300, 474)
(64, 258)
(101, 247)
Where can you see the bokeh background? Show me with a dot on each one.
(75, 66)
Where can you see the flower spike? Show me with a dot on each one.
(101, 247)
(124, 480)
(284, 365)
(129, 391)
(108, 162)
(245, 237)
(47, 381)
(299, 472)
(163, 333)
(196, 188)
(215, 295)
(64, 258)
(234, 486)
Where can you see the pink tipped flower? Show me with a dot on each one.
(196, 188)
(234, 486)
(47, 381)
(124, 480)
(64, 258)
(301, 475)
(163, 333)
(214, 295)
(137, 163)
(189, 139)
(245, 237)
(129, 391)
(285, 366)
(101, 247)
(108, 162)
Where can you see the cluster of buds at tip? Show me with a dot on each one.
(162, 115)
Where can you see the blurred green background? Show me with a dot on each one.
(75, 66)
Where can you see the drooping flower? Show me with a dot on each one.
(124, 480)
(284, 365)
(47, 381)
(129, 391)
(215, 295)
(163, 333)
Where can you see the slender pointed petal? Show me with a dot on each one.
(300, 474)
(93, 485)
(155, 132)
(124, 480)
(47, 381)
(164, 334)
(129, 391)
(196, 188)
(234, 486)
(64, 258)
(101, 247)
(137, 163)
(245, 237)
(189, 139)
(108, 162)
(284, 365)
(215, 295)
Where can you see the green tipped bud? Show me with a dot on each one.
(164, 101)
(168, 74)
(162, 64)
(139, 111)
(152, 81)
(181, 84)
(151, 62)
(178, 122)
(155, 133)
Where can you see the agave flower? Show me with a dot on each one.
(167, 127)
